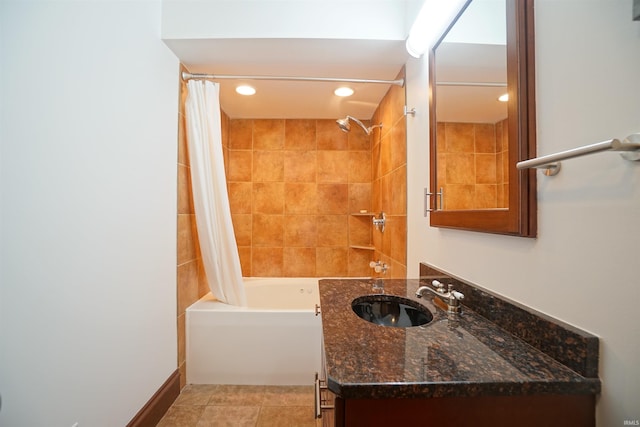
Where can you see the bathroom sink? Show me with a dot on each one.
(391, 310)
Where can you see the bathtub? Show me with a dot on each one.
(275, 340)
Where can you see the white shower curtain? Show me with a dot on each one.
(210, 196)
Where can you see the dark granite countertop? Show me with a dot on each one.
(470, 356)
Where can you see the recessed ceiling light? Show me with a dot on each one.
(343, 91)
(245, 90)
(503, 98)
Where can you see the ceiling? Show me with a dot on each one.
(334, 58)
(351, 39)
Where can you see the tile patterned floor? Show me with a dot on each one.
(240, 406)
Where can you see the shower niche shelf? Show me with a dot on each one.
(363, 247)
(364, 219)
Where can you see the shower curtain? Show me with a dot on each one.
(210, 196)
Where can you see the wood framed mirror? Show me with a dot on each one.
(474, 146)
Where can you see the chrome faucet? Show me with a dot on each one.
(450, 297)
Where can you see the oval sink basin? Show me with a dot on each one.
(391, 310)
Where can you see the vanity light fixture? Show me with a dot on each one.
(343, 91)
(503, 98)
(432, 20)
(245, 90)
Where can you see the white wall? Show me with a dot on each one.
(582, 268)
(88, 132)
(330, 19)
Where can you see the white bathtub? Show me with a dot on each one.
(276, 340)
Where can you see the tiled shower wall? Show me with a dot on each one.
(292, 187)
(389, 181)
(473, 165)
(297, 188)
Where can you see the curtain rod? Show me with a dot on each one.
(188, 76)
(480, 84)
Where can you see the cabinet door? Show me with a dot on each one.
(479, 411)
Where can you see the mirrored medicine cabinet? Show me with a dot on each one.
(475, 138)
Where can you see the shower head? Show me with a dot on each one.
(345, 126)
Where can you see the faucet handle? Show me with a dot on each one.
(438, 285)
(457, 295)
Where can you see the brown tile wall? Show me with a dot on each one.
(472, 160)
(389, 181)
(293, 185)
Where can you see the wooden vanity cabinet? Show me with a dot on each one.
(468, 373)
(479, 411)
